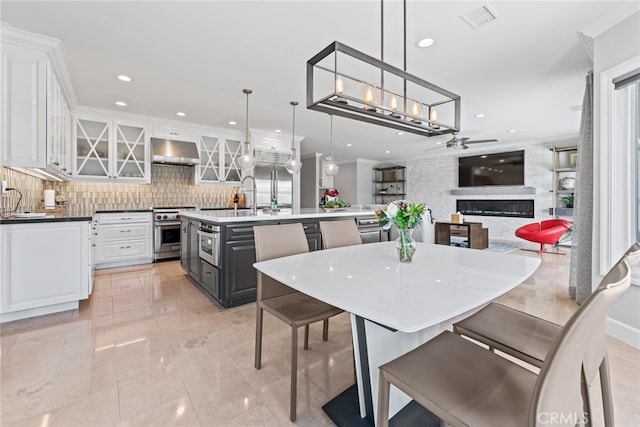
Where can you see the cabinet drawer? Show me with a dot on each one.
(239, 232)
(120, 251)
(210, 279)
(124, 217)
(125, 232)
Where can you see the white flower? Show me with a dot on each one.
(392, 211)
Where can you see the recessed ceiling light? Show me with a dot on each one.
(501, 160)
(483, 157)
(479, 115)
(425, 42)
(349, 145)
(121, 103)
(181, 114)
(124, 78)
(512, 131)
(387, 151)
(400, 133)
(439, 143)
(231, 122)
(278, 130)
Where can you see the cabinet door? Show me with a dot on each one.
(92, 148)
(210, 148)
(23, 94)
(241, 281)
(315, 241)
(194, 255)
(131, 152)
(52, 271)
(58, 126)
(231, 171)
(184, 245)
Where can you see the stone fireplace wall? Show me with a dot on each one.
(431, 180)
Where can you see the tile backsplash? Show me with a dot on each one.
(170, 186)
(32, 190)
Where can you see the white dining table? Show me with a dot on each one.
(397, 306)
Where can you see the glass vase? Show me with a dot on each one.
(405, 245)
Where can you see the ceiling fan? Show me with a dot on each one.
(456, 142)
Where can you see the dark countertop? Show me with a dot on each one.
(122, 210)
(83, 215)
(45, 219)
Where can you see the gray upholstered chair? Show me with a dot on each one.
(339, 233)
(529, 338)
(466, 385)
(292, 307)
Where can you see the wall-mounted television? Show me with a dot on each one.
(491, 169)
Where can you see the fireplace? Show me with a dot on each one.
(504, 208)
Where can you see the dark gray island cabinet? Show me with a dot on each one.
(233, 280)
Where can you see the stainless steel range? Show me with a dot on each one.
(166, 232)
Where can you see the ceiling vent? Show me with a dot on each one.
(480, 17)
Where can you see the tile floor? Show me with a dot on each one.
(148, 348)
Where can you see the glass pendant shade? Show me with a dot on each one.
(331, 169)
(247, 161)
(293, 165)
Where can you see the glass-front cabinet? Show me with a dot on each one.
(219, 159)
(110, 149)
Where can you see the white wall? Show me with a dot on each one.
(615, 46)
(346, 181)
(431, 180)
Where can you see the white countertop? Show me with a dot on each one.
(246, 215)
(369, 281)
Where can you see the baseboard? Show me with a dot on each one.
(623, 332)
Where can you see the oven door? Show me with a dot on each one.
(167, 237)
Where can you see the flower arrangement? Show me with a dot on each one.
(402, 214)
(405, 216)
(330, 199)
(331, 192)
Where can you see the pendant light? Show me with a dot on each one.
(293, 165)
(331, 169)
(247, 161)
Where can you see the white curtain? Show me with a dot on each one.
(581, 238)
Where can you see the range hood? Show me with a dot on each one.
(172, 152)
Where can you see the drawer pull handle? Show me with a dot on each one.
(125, 247)
(125, 231)
(124, 219)
(207, 272)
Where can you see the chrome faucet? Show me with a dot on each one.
(254, 204)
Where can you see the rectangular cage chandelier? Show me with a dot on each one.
(345, 82)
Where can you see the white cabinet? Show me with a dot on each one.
(23, 94)
(123, 239)
(58, 126)
(218, 158)
(111, 149)
(36, 117)
(45, 268)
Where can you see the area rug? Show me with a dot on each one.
(504, 245)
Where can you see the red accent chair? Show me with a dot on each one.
(546, 232)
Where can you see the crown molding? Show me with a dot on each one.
(49, 46)
(605, 22)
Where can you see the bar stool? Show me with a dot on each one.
(466, 385)
(529, 338)
(292, 307)
(336, 234)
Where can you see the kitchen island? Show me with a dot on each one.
(218, 248)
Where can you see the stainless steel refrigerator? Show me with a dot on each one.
(267, 181)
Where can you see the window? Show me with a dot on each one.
(619, 160)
